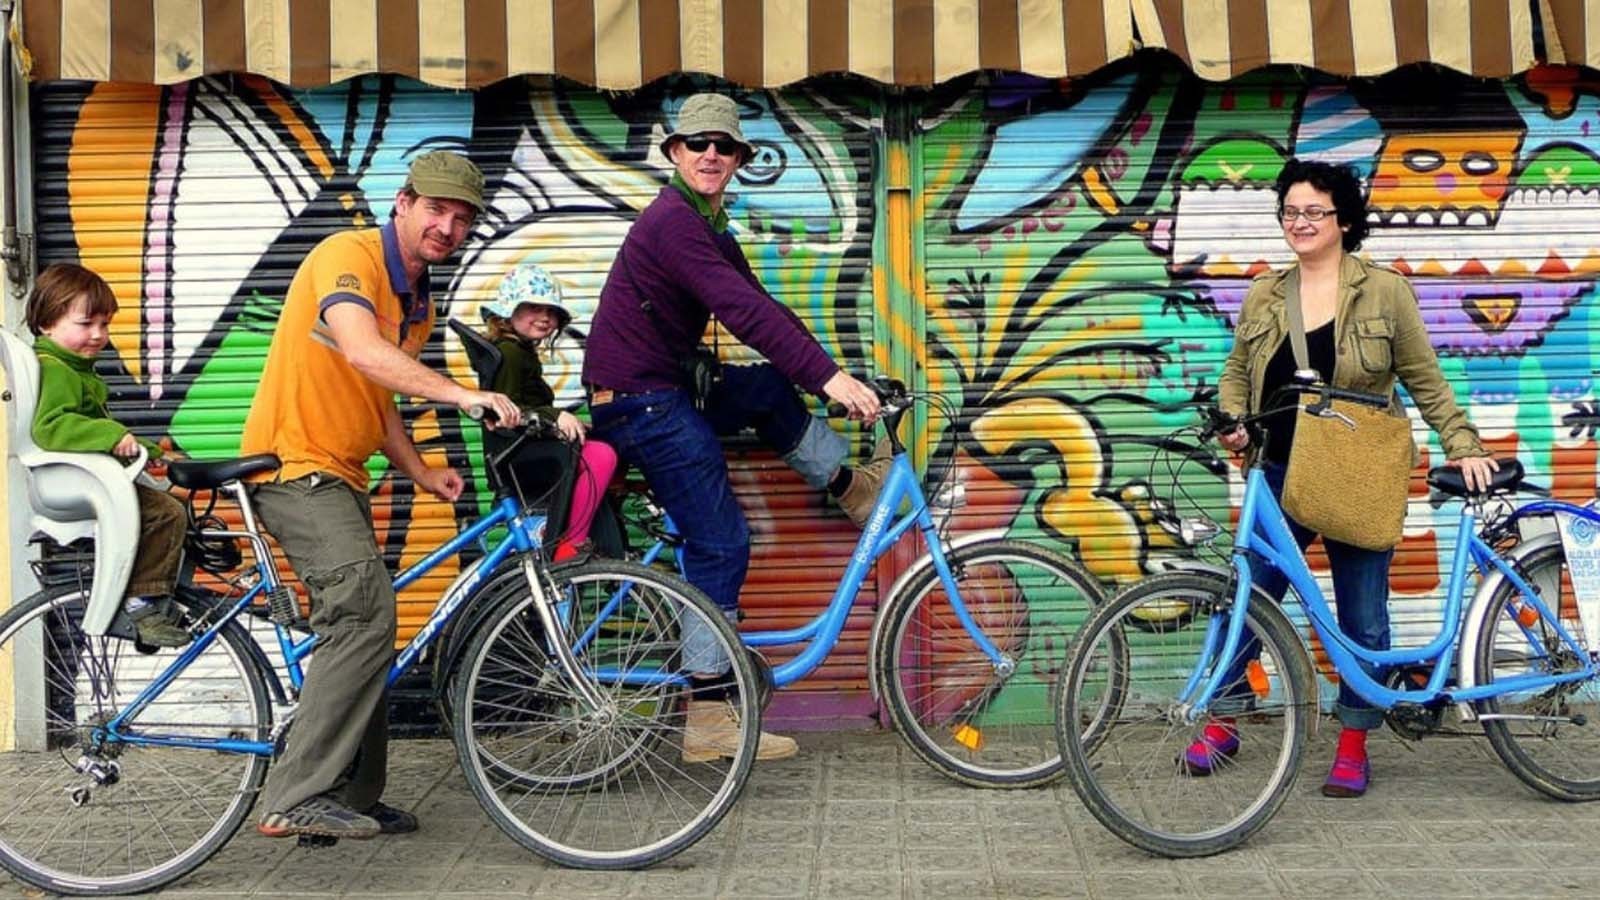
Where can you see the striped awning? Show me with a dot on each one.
(618, 44)
(1572, 31)
(1220, 39)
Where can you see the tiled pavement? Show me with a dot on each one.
(858, 816)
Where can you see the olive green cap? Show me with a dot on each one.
(448, 176)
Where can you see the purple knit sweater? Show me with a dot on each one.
(672, 259)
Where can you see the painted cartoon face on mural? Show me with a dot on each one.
(1442, 178)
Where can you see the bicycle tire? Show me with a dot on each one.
(1126, 774)
(1568, 767)
(971, 723)
(587, 790)
(170, 838)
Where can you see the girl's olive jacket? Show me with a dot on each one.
(1379, 338)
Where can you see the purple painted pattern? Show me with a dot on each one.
(1464, 317)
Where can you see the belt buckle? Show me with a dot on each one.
(601, 397)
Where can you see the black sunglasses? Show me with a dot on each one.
(726, 146)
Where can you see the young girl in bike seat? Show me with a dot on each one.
(70, 313)
(526, 316)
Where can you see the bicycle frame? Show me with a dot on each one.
(522, 536)
(1264, 531)
(883, 530)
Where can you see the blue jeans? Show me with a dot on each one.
(676, 448)
(1361, 596)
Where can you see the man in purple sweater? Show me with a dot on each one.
(678, 265)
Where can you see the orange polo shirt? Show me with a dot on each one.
(313, 409)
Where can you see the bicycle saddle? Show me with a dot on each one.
(1448, 479)
(204, 474)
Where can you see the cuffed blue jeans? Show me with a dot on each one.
(1361, 596)
(676, 448)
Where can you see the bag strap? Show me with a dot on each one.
(1297, 319)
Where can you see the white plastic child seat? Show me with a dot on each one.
(74, 495)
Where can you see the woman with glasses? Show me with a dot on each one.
(1364, 332)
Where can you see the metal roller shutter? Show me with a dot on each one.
(197, 201)
(1088, 244)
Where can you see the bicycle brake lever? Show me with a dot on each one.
(1328, 412)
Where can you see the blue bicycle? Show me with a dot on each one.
(1151, 668)
(966, 641)
(124, 770)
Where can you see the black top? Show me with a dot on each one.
(1280, 371)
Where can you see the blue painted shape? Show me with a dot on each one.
(1031, 157)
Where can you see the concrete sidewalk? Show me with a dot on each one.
(858, 816)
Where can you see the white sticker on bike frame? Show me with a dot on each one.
(1580, 540)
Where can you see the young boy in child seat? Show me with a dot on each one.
(69, 314)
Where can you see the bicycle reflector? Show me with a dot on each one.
(968, 737)
(1256, 674)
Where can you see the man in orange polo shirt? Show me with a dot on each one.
(354, 321)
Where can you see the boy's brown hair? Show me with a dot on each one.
(55, 289)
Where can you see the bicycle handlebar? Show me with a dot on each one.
(892, 396)
(1219, 422)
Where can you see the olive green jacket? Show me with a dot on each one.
(1379, 338)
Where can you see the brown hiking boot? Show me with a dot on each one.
(865, 482)
(712, 732)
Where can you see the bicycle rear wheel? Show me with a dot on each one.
(84, 813)
(605, 787)
(972, 720)
(1555, 748)
(1132, 771)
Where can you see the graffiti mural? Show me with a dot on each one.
(1084, 247)
(1092, 245)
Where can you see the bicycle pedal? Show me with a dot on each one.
(316, 841)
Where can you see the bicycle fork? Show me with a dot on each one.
(555, 633)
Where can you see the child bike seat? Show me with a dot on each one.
(484, 357)
(74, 495)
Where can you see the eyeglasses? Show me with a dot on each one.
(726, 146)
(1310, 214)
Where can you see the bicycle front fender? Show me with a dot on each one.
(1467, 656)
(922, 564)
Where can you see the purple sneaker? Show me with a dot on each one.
(1347, 778)
(1218, 741)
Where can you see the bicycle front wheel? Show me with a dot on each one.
(1156, 779)
(975, 720)
(84, 812)
(1548, 737)
(608, 784)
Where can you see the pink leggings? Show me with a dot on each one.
(596, 463)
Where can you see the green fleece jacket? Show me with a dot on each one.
(521, 377)
(72, 415)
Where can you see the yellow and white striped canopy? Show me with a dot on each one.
(1220, 39)
(616, 44)
(623, 44)
(1572, 31)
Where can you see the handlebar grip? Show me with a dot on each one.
(838, 411)
(1376, 401)
(479, 413)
